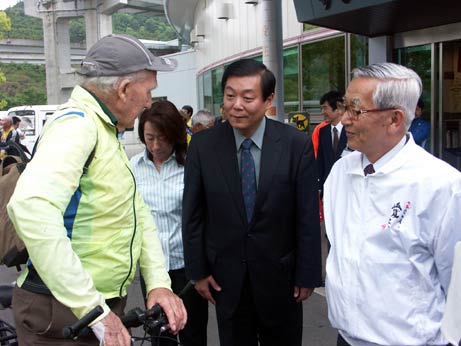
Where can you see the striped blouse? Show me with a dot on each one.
(162, 191)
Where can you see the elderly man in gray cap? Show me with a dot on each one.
(77, 209)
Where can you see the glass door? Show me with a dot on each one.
(450, 105)
(420, 59)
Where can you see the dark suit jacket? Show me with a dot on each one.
(280, 248)
(326, 157)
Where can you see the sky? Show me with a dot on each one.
(7, 3)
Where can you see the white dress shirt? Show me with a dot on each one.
(339, 126)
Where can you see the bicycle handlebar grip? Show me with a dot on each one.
(154, 312)
(70, 332)
(132, 318)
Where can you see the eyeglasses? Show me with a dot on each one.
(355, 112)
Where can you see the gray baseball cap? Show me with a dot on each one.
(117, 55)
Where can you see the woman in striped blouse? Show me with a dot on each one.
(159, 174)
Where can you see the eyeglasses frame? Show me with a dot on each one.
(357, 113)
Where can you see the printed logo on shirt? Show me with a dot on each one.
(397, 215)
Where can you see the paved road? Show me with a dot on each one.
(317, 329)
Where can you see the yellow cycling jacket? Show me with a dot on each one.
(85, 233)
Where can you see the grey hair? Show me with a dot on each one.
(203, 117)
(399, 87)
(8, 118)
(107, 84)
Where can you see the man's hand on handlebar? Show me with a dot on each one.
(115, 333)
(172, 305)
(203, 288)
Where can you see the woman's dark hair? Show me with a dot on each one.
(250, 67)
(165, 117)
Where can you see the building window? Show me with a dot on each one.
(200, 89)
(359, 51)
(322, 70)
(216, 77)
(291, 79)
(307, 27)
(207, 91)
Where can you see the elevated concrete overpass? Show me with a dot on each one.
(59, 54)
(33, 52)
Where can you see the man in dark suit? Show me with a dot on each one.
(332, 138)
(250, 215)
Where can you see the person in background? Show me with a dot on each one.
(159, 174)
(186, 112)
(315, 137)
(250, 215)
(9, 132)
(202, 120)
(420, 129)
(332, 138)
(223, 116)
(86, 230)
(392, 235)
(16, 123)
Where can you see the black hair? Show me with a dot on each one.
(16, 120)
(420, 103)
(250, 67)
(332, 97)
(168, 121)
(189, 109)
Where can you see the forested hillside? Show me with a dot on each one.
(139, 25)
(25, 83)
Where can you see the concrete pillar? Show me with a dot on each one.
(60, 76)
(272, 48)
(379, 49)
(97, 25)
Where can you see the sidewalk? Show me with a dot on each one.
(317, 330)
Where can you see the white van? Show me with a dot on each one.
(130, 140)
(32, 120)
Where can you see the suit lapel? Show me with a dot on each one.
(270, 158)
(226, 155)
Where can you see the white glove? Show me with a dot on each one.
(98, 330)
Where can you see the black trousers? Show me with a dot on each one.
(341, 342)
(195, 331)
(246, 328)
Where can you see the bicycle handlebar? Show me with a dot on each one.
(76, 329)
(151, 319)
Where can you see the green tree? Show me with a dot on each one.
(77, 30)
(23, 26)
(140, 25)
(26, 84)
(5, 26)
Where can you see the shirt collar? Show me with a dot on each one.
(386, 157)
(257, 137)
(145, 157)
(339, 126)
(106, 110)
